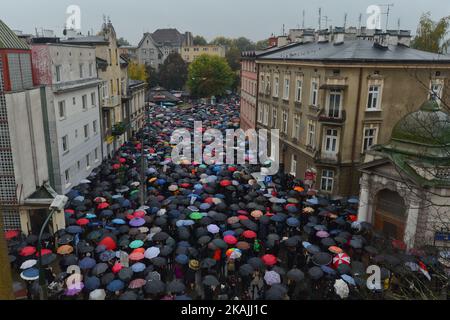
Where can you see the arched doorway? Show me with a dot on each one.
(390, 214)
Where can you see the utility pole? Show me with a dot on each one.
(387, 12)
(320, 18)
(6, 287)
(345, 21)
(303, 19)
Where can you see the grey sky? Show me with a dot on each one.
(255, 19)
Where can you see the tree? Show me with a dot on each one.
(222, 41)
(209, 75)
(200, 41)
(244, 44)
(262, 44)
(137, 71)
(233, 56)
(122, 42)
(173, 72)
(152, 76)
(431, 35)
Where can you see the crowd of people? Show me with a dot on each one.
(213, 232)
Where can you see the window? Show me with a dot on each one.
(311, 134)
(76, 133)
(67, 176)
(298, 91)
(275, 86)
(110, 57)
(296, 127)
(267, 84)
(261, 86)
(334, 103)
(331, 141)
(326, 183)
(266, 115)
(58, 73)
(74, 101)
(84, 99)
(86, 131)
(88, 161)
(94, 126)
(93, 98)
(274, 117)
(81, 70)
(373, 102)
(78, 165)
(118, 86)
(62, 109)
(314, 93)
(96, 154)
(286, 88)
(65, 143)
(284, 129)
(91, 69)
(370, 137)
(260, 114)
(436, 92)
(293, 165)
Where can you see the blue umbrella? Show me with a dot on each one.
(198, 186)
(107, 256)
(312, 201)
(106, 213)
(229, 233)
(174, 214)
(182, 297)
(90, 216)
(184, 244)
(205, 206)
(72, 194)
(30, 274)
(79, 198)
(92, 283)
(117, 196)
(100, 248)
(118, 221)
(125, 203)
(94, 224)
(138, 267)
(87, 263)
(348, 279)
(277, 218)
(182, 259)
(74, 229)
(115, 285)
(292, 209)
(293, 222)
(328, 270)
(220, 196)
(160, 182)
(353, 200)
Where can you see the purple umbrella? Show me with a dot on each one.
(74, 290)
(271, 278)
(213, 228)
(322, 234)
(137, 222)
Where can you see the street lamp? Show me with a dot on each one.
(58, 204)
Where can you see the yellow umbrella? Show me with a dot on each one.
(65, 249)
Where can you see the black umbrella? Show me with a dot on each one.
(65, 239)
(48, 259)
(246, 270)
(322, 259)
(204, 240)
(207, 263)
(210, 280)
(249, 225)
(327, 242)
(99, 269)
(107, 278)
(220, 243)
(154, 287)
(128, 295)
(160, 236)
(69, 260)
(295, 275)
(315, 273)
(175, 286)
(371, 250)
(256, 263)
(158, 261)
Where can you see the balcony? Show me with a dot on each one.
(324, 157)
(335, 82)
(110, 102)
(336, 117)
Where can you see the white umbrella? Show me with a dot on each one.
(151, 252)
(271, 278)
(341, 288)
(85, 181)
(98, 294)
(28, 264)
(213, 228)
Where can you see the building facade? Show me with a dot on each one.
(333, 99)
(25, 192)
(190, 53)
(249, 89)
(73, 133)
(405, 183)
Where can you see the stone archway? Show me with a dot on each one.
(390, 214)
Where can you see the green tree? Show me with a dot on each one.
(209, 75)
(431, 35)
(137, 71)
(243, 44)
(152, 76)
(199, 41)
(173, 72)
(222, 41)
(262, 44)
(122, 42)
(233, 56)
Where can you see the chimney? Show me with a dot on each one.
(380, 39)
(339, 34)
(323, 36)
(308, 36)
(273, 41)
(282, 41)
(392, 37)
(404, 38)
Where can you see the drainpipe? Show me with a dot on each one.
(51, 173)
(257, 92)
(32, 140)
(355, 131)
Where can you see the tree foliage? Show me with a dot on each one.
(431, 35)
(199, 41)
(209, 75)
(173, 72)
(137, 71)
(262, 44)
(122, 42)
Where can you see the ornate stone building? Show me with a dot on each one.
(405, 184)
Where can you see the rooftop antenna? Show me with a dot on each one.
(345, 20)
(283, 30)
(387, 12)
(360, 21)
(398, 24)
(320, 18)
(303, 19)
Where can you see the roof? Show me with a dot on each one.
(159, 94)
(87, 40)
(9, 40)
(171, 36)
(354, 50)
(134, 83)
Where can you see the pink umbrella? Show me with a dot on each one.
(136, 256)
(322, 234)
(137, 283)
(230, 239)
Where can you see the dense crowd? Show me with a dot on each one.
(214, 232)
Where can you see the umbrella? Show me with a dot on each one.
(92, 283)
(293, 222)
(269, 259)
(207, 263)
(30, 274)
(98, 294)
(315, 273)
(27, 251)
(107, 256)
(341, 288)
(246, 270)
(220, 243)
(137, 283)
(28, 264)
(74, 229)
(138, 267)
(115, 285)
(154, 286)
(87, 263)
(73, 291)
(210, 280)
(213, 228)
(136, 244)
(152, 252)
(256, 262)
(158, 261)
(321, 259)
(160, 236)
(48, 259)
(341, 258)
(65, 249)
(295, 275)
(348, 279)
(99, 269)
(271, 278)
(242, 245)
(175, 286)
(229, 239)
(182, 259)
(274, 293)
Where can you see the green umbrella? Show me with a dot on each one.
(133, 192)
(196, 216)
(136, 244)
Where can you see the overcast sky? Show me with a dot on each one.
(254, 19)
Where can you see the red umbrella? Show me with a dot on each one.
(27, 251)
(69, 211)
(44, 252)
(241, 217)
(242, 212)
(139, 214)
(116, 166)
(185, 185)
(209, 200)
(103, 205)
(232, 169)
(341, 258)
(82, 222)
(11, 234)
(122, 160)
(130, 216)
(269, 259)
(225, 183)
(117, 267)
(138, 250)
(136, 256)
(108, 243)
(230, 239)
(249, 234)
